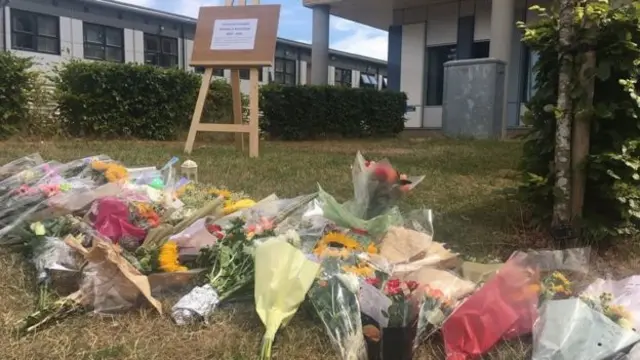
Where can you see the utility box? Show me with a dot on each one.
(473, 98)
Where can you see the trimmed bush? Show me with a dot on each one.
(108, 100)
(16, 84)
(314, 112)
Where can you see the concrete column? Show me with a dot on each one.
(320, 45)
(502, 23)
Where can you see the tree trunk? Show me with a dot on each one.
(582, 123)
(562, 158)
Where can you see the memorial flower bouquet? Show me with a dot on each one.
(392, 336)
(231, 265)
(617, 313)
(555, 286)
(334, 297)
(377, 189)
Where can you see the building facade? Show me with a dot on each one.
(53, 31)
(424, 34)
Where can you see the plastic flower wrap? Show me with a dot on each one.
(309, 222)
(572, 329)
(617, 299)
(377, 189)
(9, 169)
(283, 275)
(110, 284)
(506, 306)
(38, 186)
(334, 296)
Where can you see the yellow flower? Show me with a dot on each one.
(168, 258)
(619, 311)
(220, 192)
(230, 207)
(560, 277)
(99, 165)
(362, 270)
(335, 240)
(372, 249)
(625, 324)
(115, 173)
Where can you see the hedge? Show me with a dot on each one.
(111, 100)
(108, 100)
(313, 112)
(16, 84)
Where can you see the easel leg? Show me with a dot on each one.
(237, 106)
(197, 112)
(254, 136)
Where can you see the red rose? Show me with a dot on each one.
(373, 281)
(412, 285)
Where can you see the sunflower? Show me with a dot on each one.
(168, 258)
(336, 240)
(362, 270)
(99, 165)
(560, 277)
(115, 173)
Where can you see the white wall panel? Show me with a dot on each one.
(332, 76)
(483, 20)
(442, 24)
(412, 74)
(355, 78)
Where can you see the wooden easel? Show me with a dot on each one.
(227, 54)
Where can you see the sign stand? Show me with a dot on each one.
(235, 37)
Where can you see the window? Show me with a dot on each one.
(384, 82)
(160, 51)
(368, 80)
(244, 74)
(436, 57)
(103, 43)
(480, 50)
(35, 32)
(285, 71)
(343, 77)
(528, 74)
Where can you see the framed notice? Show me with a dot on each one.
(236, 36)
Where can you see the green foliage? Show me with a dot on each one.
(312, 112)
(612, 200)
(110, 100)
(16, 83)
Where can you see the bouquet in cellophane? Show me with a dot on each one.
(334, 296)
(377, 189)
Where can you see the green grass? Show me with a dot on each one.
(466, 185)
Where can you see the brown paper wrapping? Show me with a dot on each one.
(116, 283)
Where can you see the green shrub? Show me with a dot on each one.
(612, 199)
(313, 112)
(107, 100)
(16, 83)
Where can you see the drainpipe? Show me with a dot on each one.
(3, 6)
(184, 47)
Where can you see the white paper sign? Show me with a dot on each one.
(234, 34)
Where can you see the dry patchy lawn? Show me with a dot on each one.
(465, 185)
